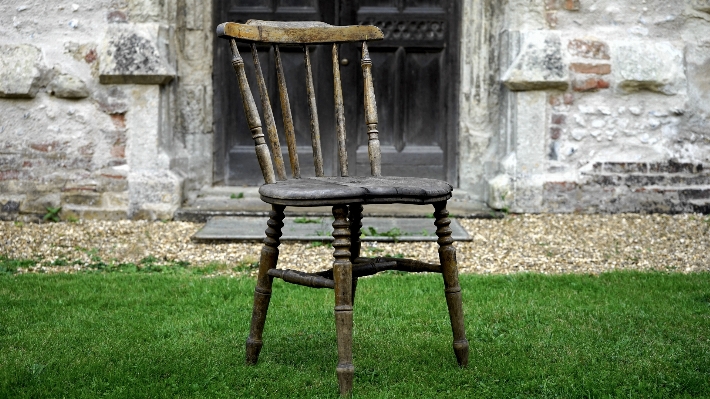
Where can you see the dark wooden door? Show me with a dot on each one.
(416, 81)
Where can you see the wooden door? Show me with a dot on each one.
(416, 81)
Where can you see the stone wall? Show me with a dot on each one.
(104, 107)
(604, 107)
(565, 106)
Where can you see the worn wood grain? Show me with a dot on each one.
(268, 116)
(342, 274)
(297, 32)
(287, 116)
(373, 143)
(262, 292)
(355, 189)
(355, 218)
(339, 114)
(452, 289)
(313, 113)
(300, 278)
(253, 119)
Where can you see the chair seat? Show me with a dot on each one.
(316, 191)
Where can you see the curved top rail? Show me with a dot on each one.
(301, 32)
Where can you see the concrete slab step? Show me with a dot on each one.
(250, 228)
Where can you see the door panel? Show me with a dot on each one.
(414, 81)
(415, 73)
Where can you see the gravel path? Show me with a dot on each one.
(518, 243)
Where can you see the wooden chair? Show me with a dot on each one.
(344, 193)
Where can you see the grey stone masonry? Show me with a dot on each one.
(106, 106)
(20, 70)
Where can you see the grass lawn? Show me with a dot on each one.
(182, 335)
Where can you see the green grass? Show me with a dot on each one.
(181, 335)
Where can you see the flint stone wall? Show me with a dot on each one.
(625, 128)
(565, 106)
(93, 116)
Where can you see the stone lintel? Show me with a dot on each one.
(135, 54)
(540, 64)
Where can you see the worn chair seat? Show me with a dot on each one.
(316, 191)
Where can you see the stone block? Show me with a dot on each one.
(500, 192)
(38, 203)
(134, 54)
(10, 206)
(20, 70)
(654, 66)
(68, 86)
(154, 194)
(539, 65)
(701, 5)
(192, 109)
(84, 198)
(90, 213)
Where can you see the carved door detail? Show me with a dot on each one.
(415, 73)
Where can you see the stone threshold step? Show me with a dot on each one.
(309, 228)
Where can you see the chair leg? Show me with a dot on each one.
(355, 217)
(449, 269)
(342, 274)
(262, 292)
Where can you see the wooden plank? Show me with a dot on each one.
(339, 114)
(297, 32)
(253, 119)
(313, 112)
(373, 143)
(287, 117)
(268, 116)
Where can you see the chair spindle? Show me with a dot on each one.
(313, 111)
(373, 143)
(339, 113)
(268, 116)
(262, 150)
(287, 118)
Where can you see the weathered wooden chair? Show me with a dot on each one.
(346, 194)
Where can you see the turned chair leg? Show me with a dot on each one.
(262, 292)
(342, 274)
(355, 217)
(447, 257)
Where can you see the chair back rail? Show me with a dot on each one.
(289, 131)
(305, 34)
(313, 111)
(252, 115)
(268, 116)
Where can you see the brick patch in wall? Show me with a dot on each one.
(589, 84)
(665, 187)
(9, 174)
(44, 147)
(557, 100)
(558, 119)
(90, 56)
(571, 5)
(551, 18)
(119, 120)
(592, 49)
(598, 69)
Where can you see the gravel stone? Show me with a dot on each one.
(549, 244)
